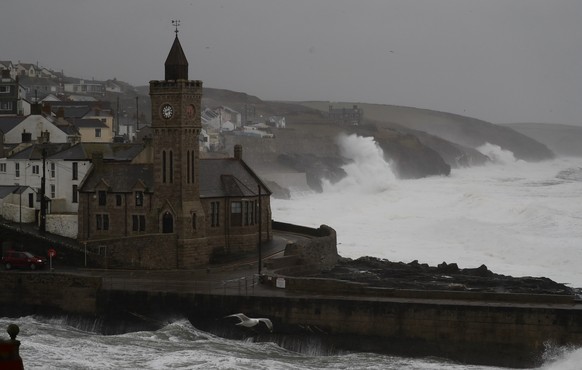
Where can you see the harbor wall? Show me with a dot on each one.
(471, 331)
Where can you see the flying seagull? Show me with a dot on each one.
(251, 322)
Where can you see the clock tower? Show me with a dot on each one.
(176, 125)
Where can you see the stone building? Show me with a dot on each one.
(347, 116)
(174, 210)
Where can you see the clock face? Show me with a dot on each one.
(167, 111)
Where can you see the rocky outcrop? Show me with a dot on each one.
(446, 276)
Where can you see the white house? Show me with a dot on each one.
(35, 126)
(18, 203)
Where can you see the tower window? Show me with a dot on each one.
(164, 166)
(171, 167)
(188, 167)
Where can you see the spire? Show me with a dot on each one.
(176, 63)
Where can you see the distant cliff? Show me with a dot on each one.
(418, 142)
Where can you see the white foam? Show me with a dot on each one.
(518, 218)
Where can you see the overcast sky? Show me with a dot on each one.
(497, 60)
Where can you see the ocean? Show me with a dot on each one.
(517, 218)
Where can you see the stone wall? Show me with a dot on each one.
(150, 252)
(62, 224)
(319, 251)
(11, 212)
(25, 293)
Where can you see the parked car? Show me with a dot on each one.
(23, 260)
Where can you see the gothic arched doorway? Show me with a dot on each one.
(167, 223)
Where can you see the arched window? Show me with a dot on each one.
(188, 167)
(171, 167)
(192, 154)
(167, 223)
(164, 166)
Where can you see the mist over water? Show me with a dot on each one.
(518, 218)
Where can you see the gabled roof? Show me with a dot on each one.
(228, 177)
(218, 178)
(110, 151)
(9, 122)
(6, 190)
(121, 177)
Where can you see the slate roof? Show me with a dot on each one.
(218, 178)
(121, 177)
(35, 151)
(176, 64)
(6, 190)
(111, 151)
(8, 123)
(228, 177)
(90, 122)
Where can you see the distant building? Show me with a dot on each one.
(346, 116)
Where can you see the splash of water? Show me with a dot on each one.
(367, 170)
(497, 154)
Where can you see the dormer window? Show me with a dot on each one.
(139, 198)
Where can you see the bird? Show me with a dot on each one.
(251, 322)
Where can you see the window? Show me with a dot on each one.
(194, 221)
(164, 166)
(6, 105)
(171, 167)
(4, 89)
(53, 170)
(139, 198)
(97, 132)
(3, 167)
(17, 169)
(75, 194)
(35, 170)
(75, 170)
(215, 214)
(118, 200)
(102, 197)
(188, 166)
(256, 211)
(192, 163)
(102, 221)
(53, 191)
(138, 222)
(236, 213)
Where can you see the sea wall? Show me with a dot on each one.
(472, 331)
(319, 249)
(25, 293)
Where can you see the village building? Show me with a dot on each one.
(174, 210)
(346, 116)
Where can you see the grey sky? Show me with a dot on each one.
(498, 60)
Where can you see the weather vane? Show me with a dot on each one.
(176, 23)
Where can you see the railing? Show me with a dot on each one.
(242, 286)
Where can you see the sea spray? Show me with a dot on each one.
(367, 170)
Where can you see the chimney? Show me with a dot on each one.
(97, 159)
(35, 109)
(45, 137)
(46, 109)
(26, 136)
(61, 112)
(238, 152)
